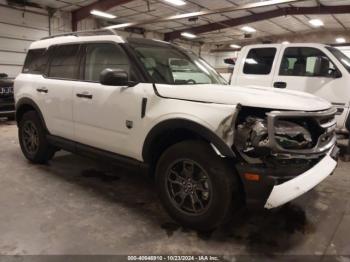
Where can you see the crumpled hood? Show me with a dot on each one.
(253, 96)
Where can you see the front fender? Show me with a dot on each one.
(180, 123)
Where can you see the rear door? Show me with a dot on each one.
(57, 89)
(256, 66)
(310, 70)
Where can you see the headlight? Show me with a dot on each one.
(252, 136)
(290, 135)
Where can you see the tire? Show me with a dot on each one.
(32, 139)
(214, 186)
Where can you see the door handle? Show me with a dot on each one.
(280, 84)
(84, 95)
(42, 90)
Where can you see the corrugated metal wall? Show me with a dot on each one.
(18, 28)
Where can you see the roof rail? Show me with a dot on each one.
(105, 31)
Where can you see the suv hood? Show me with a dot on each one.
(254, 96)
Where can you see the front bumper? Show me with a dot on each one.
(294, 188)
(7, 106)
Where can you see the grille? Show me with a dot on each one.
(321, 125)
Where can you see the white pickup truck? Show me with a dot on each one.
(314, 68)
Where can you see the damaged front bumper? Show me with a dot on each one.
(277, 186)
(273, 172)
(294, 188)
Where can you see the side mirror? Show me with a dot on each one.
(115, 77)
(3, 75)
(229, 61)
(337, 74)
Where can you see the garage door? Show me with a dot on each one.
(17, 30)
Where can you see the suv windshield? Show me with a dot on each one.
(168, 64)
(343, 59)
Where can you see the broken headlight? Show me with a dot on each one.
(252, 136)
(290, 135)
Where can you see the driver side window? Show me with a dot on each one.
(100, 56)
(307, 62)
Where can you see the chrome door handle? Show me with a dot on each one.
(42, 90)
(84, 95)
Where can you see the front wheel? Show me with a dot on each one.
(32, 139)
(198, 188)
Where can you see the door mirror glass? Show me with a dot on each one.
(114, 77)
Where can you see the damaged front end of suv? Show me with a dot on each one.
(281, 154)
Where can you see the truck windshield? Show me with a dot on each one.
(342, 58)
(167, 64)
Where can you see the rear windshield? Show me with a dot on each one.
(342, 58)
(36, 61)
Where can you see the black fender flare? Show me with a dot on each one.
(25, 101)
(191, 126)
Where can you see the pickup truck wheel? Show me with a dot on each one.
(32, 139)
(198, 188)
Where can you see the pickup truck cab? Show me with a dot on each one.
(149, 103)
(313, 68)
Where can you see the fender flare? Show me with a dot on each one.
(27, 101)
(191, 126)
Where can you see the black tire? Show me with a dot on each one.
(220, 194)
(38, 150)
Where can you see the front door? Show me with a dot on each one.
(310, 70)
(106, 116)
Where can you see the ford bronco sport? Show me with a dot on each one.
(211, 147)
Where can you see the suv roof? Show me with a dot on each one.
(92, 36)
(79, 36)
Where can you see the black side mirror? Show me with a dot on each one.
(3, 75)
(115, 77)
(337, 74)
(229, 61)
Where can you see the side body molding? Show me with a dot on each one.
(188, 125)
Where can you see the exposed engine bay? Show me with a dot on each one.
(293, 137)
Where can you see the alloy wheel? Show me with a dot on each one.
(189, 187)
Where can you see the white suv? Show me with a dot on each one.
(211, 147)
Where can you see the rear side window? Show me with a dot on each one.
(306, 61)
(259, 61)
(101, 56)
(35, 62)
(65, 62)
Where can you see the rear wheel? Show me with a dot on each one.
(198, 188)
(32, 139)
